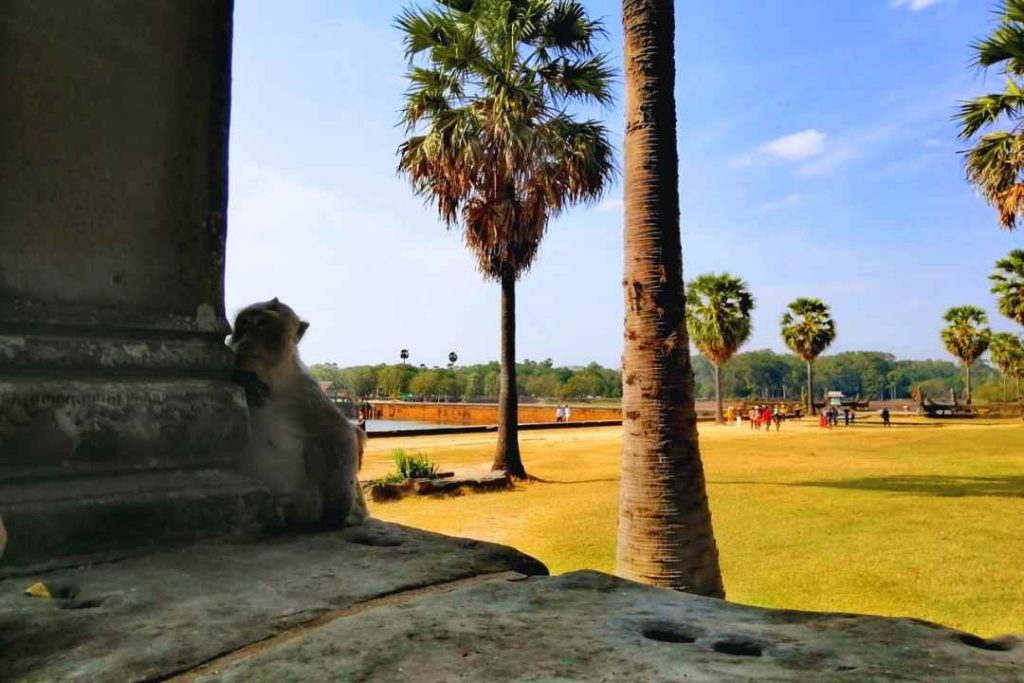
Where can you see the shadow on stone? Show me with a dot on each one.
(668, 633)
(980, 643)
(738, 647)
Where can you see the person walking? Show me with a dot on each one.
(846, 417)
(777, 418)
(752, 414)
(885, 417)
(566, 412)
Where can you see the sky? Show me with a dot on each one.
(818, 157)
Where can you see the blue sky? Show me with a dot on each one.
(817, 156)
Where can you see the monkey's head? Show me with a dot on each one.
(265, 337)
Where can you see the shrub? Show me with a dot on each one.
(416, 466)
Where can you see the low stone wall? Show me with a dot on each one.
(483, 413)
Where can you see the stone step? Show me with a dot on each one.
(60, 523)
(150, 617)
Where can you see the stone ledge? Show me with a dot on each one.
(588, 626)
(151, 617)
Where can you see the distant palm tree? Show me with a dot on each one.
(1007, 352)
(718, 319)
(995, 162)
(491, 143)
(665, 537)
(965, 337)
(808, 329)
(1009, 285)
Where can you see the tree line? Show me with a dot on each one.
(760, 374)
(481, 382)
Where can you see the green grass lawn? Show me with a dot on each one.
(924, 519)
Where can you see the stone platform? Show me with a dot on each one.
(388, 603)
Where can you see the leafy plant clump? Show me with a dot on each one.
(417, 466)
(387, 479)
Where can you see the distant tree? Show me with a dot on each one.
(393, 380)
(426, 383)
(808, 329)
(718, 318)
(492, 384)
(493, 145)
(995, 162)
(543, 386)
(966, 337)
(1009, 285)
(581, 385)
(473, 386)
(1007, 352)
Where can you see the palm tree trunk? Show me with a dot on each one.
(967, 395)
(719, 417)
(665, 536)
(507, 457)
(810, 390)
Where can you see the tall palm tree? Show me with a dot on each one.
(665, 536)
(1009, 285)
(718, 320)
(491, 144)
(995, 162)
(808, 329)
(1007, 352)
(966, 338)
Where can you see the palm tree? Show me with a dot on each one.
(808, 329)
(665, 536)
(965, 337)
(718, 320)
(1009, 285)
(995, 162)
(1008, 354)
(491, 144)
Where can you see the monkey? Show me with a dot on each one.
(301, 446)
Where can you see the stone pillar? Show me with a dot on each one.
(117, 420)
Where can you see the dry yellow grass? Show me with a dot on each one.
(923, 519)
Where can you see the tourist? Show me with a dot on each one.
(823, 419)
(753, 417)
(558, 413)
(885, 417)
(766, 417)
(361, 420)
(566, 412)
(846, 417)
(777, 418)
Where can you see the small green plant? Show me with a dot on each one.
(391, 478)
(416, 466)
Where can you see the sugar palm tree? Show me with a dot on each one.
(1007, 353)
(966, 337)
(808, 329)
(995, 162)
(665, 536)
(1009, 285)
(718, 320)
(491, 143)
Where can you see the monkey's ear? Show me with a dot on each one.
(303, 326)
(275, 300)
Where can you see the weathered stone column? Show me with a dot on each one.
(117, 419)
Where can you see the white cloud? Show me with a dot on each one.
(801, 146)
(787, 202)
(915, 5)
(937, 143)
(796, 147)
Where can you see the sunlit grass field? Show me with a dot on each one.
(924, 519)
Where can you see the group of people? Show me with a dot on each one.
(563, 413)
(830, 417)
(759, 416)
